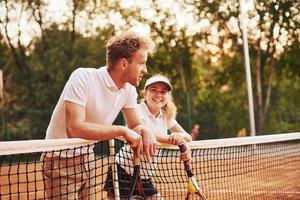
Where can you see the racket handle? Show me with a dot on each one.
(187, 166)
(136, 172)
(136, 160)
(182, 147)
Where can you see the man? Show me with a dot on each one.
(89, 103)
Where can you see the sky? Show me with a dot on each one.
(60, 10)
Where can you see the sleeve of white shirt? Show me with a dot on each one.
(171, 123)
(131, 101)
(141, 112)
(77, 88)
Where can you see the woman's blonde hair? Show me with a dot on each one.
(169, 110)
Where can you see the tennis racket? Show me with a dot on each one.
(136, 179)
(192, 186)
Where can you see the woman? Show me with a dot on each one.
(157, 111)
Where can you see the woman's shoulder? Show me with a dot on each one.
(143, 109)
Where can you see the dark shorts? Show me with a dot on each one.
(124, 184)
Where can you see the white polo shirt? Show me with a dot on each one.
(157, 125)
(96, 91)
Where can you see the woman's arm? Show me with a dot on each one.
(180, 132)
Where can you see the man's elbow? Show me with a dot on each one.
(72, 131)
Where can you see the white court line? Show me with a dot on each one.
(243, 191)
(254, 192)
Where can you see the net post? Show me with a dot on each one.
(112, 160)
(243, 16)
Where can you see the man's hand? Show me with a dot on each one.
(149, 144)
(134, 140)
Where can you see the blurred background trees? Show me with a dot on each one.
(199, 47)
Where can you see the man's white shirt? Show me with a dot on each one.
(95, 90)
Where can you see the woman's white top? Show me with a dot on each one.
(157, 125)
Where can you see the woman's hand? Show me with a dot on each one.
(175, 138)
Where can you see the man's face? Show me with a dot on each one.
(137, 67)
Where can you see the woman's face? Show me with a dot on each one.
(156, 95)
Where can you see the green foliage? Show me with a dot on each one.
(221, 108)
(4, 54)
(39, 86)
(285, 111)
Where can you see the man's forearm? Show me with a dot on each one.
(91, 131)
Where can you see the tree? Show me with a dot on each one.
(273, 28)
(199, 48)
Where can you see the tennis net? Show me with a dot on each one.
(254, 168)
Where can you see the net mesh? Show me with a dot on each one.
(252, 168)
